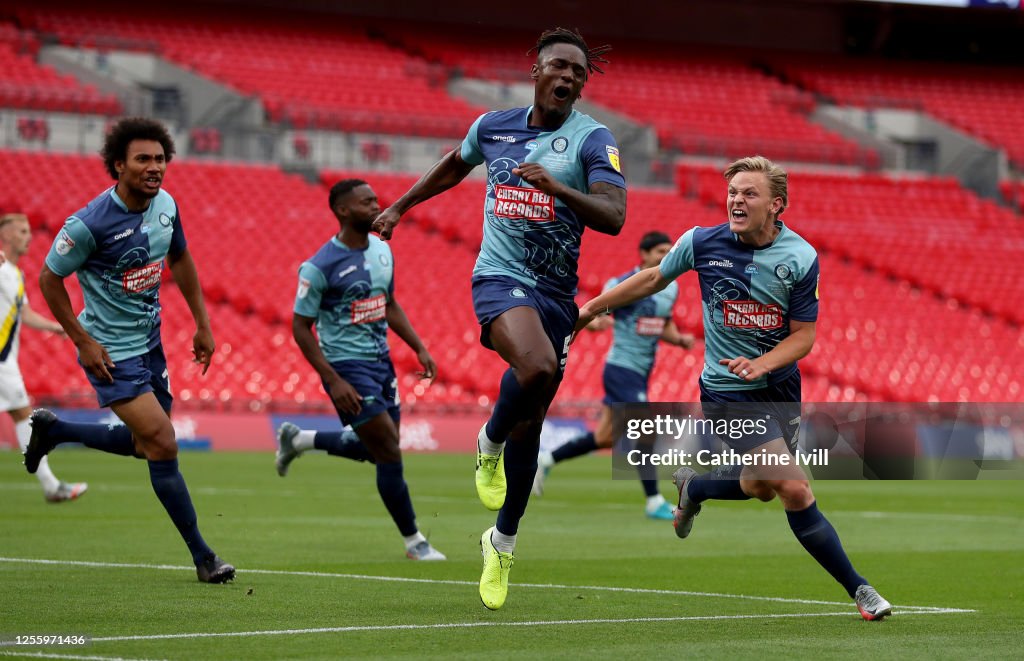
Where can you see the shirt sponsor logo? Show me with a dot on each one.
(369, 310)
(650, 326)
(720, 262)
(347, 271)
(134, 281)
(303, 288)
(752, 314)
(560, 144)
(613, 157)
(125, 234)
(503, 138)
(64, 243)
(528, 203)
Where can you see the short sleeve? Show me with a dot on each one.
(471, 152)
(178, 243)
(312, 285)
(803, 301)
(600, 157)
(679, 260)
(73, 245)
(391, 284)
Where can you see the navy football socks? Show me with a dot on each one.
(342, 444)
(712, 486)
(395, 493)
(170, 488)
(576, 447)
(509, 410)
(115, 439)
(520, 468)
(820, 539)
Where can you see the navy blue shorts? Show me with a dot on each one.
(376, 383)
(623, 386)
(135, 376)
(778, 406)
(495, 295)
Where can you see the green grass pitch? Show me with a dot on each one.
(320, 568)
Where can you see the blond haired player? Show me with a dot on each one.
(15, 237)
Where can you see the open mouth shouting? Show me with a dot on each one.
(562, 93)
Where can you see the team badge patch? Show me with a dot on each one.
(817, 284)
(782, 272)
(64, 243)
(517, 293)
(166, 220)
(613, 157)
(303, 288)
(560, 145)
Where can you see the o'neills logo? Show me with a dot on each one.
(751, 314)
(368, 309)
(528, 203)
(138, 280)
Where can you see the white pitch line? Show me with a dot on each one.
(48, 655)
(472, 625)
(441, 581)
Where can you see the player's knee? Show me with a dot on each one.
(603, 440)
(795, 494)
(537, 372)
(156, 440)
(385, 453)
(759, 490)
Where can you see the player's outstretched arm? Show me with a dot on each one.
(788, 351)
(399, 322)
(37, 321)
(671, 335)
(183, 269)
(444, 174)
(637, 286)
(92, 354)
(602, 209)
(341, 392)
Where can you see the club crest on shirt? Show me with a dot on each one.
(64, 243)
(560, 144)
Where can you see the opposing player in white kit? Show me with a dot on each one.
(15, 237)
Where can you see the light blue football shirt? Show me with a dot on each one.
(119, 256)
(347, 291)
(638, 327)
(529, 235)
(750, 295)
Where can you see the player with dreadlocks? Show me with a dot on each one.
(551, 173)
